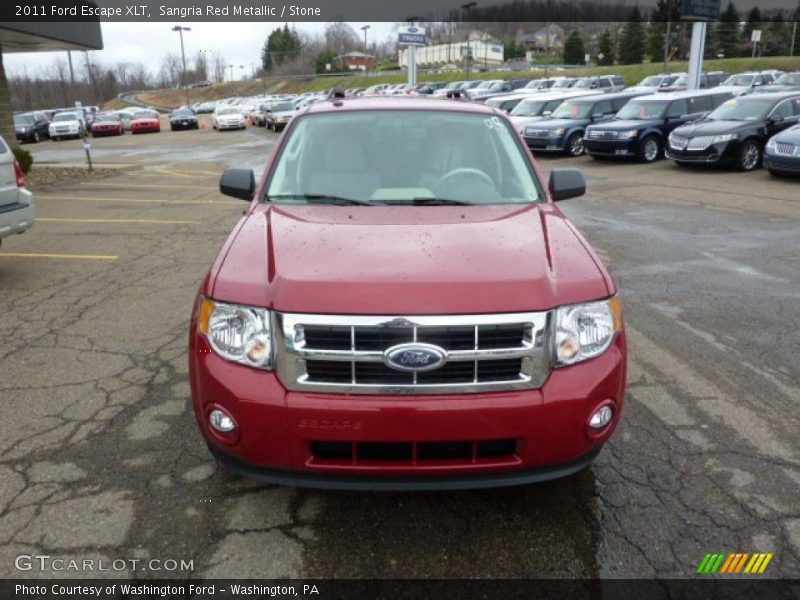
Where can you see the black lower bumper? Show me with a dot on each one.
(400, 484)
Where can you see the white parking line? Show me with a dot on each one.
(146, 221)
(65, 256)
(136, 200)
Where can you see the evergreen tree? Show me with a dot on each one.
(605, 46)
(281, 45)
(666, 10)
(727, 34)
(323, 59)
(574, 52)
(631, 49)
(777, 38)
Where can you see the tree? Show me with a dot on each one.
(513, 51)
(201, 66)
(633, 38)
(666, 10)
(341, 38)
(728, 32)
(218, 62)
(323, 59)
(282, 45)
(605, 49)
(574, 53)
(777, 38)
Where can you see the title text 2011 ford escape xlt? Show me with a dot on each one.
(403, 307)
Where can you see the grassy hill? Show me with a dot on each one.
(631, 73)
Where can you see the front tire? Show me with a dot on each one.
(650, 149)
(575, 146)
(36, 138)
(749, 156)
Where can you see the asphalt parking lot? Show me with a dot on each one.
(100, 456)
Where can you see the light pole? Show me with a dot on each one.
(231, 67)
(180, 31)
(468, 9)
(366, 62)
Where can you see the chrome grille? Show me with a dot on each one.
(701, 142)
(597, 134)
(345, 354)
(785, 148)
(536, 133)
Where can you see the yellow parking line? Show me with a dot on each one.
(68, 256)
(148, 221)
(136, 200)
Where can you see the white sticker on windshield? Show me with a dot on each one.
(496, 124)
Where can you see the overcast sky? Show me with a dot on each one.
(240, 43)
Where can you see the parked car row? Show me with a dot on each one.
(715, 125)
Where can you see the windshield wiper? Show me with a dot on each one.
(434, 201)
(324, 199)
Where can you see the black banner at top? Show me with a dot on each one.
(561, 11)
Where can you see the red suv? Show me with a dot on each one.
(403, 306)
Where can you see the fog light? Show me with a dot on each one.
(221, 421)
(601, 418)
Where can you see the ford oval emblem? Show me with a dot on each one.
(415, 357)
(412, 30)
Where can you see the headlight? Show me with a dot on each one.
(242, 334)
(627, 135)
(718, 139)
(557, 132)
(771, 144)
(583, 331)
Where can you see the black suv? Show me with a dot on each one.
(641, 128)
(737, 131)
(31, 127)
(564, 130)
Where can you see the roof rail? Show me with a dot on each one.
(458, 95)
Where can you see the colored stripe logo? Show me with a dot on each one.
(735, 563)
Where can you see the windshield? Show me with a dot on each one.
(573, 110)
(564, 83)
(643, 109)
(532, 108)
(788, 79)
(228, 111)
(65, 117)
(145, 115)
(741, 109)
(23, 120)
(402, 157)
(282, 106)
(497, 85)
(583, 84)
(108, 117)
(183, 113)
(652, 81)
(739, 80)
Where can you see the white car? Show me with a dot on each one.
(16, 202)
(67, 125)
(228, 117)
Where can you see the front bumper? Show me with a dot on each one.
(548, 144)
(100, 131)
(784, 164)
(231, 125)
(277, 429)
(627, 148)
(175, 125)
(17, 217)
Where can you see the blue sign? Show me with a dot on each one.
(701, 10)
(415, 357)
(411, 39)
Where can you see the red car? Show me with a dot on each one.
(404, 306)
(107, 124)
(145, 121)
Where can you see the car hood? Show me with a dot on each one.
(523, 121)
(717, 127)
(75, 122)
(626, 124)
(283, 113)
(408, 260)
(556, 123)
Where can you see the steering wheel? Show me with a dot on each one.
(466, 171)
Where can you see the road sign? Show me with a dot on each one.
(411, 36)
(755, 36)
(701, 10)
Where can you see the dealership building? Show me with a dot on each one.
(40, 37)
(485, 51)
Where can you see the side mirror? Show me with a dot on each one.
(777, 118)
(547, 113)
(566, 183)
(238, 183)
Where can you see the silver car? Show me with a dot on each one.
(16, 202)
